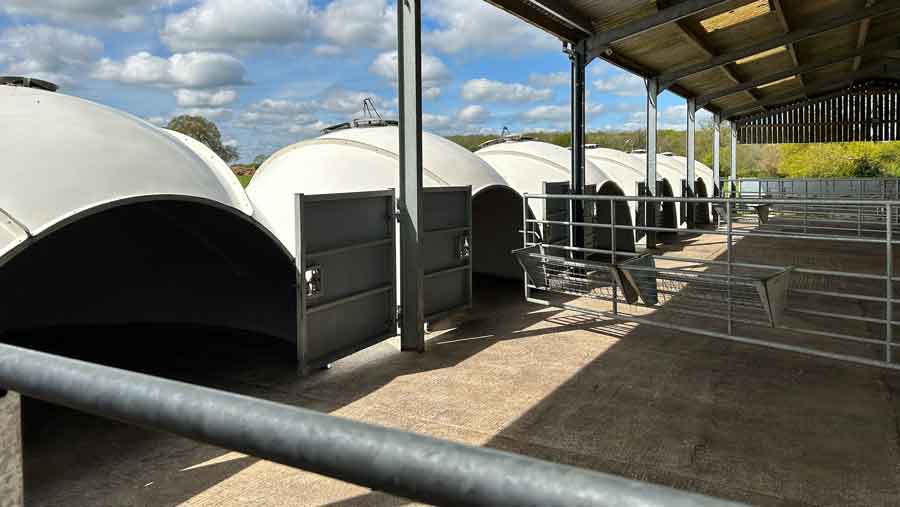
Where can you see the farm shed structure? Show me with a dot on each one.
(778, 71)
(124, 223)
(365, 158)
(528, 165)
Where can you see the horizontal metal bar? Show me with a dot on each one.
(349, 299)
(841, 295)
(447, 271)
(711, 200)
(838, 336)
(836, 315)
(724, 336)
(347, 195)
(412, 466)
(351, 248)
(448, 230)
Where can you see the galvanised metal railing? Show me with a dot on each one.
(715, 285)
(862, 220)
(413, 466)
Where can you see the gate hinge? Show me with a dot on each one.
(399, 315)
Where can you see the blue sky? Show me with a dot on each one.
(272, 72)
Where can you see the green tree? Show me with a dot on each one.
(258, 161)
(206, 132)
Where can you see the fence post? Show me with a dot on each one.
(525, 240)
(859, 209)
(729, 259)
(11, 484)
(805, 205)
(612, 242)
(889, 293)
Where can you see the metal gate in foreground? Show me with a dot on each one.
(346, 262)
(768, 287)
(417, 467)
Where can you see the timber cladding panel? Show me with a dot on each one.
(866, 111)
(11, 486)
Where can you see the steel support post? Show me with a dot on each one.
(650, 177)
(889, 287)
(691, 131)
(409, 44)
(577, 57)
(612, 244)
(717, 141)
(11, 484)
(733, 159)
(730, 260)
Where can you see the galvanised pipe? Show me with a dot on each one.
(413, 466)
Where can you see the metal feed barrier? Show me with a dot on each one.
(413, 466)
(824, 218)
(839, 314)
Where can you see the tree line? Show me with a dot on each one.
(821, 160)
(826, 160)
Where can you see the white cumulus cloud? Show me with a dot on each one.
(475, 26)
(621, 84)
(125, 15)
(205, 98)
(46, 52)
(230, 25)
(181, 70)
(473, 114)
(550, 80)
(487, 90)
(359, 23)
(434, 72)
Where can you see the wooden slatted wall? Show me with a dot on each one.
(866, 111)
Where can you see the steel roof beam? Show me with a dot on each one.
(539, 17)
(695, 41)
(565, 12)
(874, 47)
(814, 28)
(839, 80)
(599, 43)
(782, 19)
(864, 26)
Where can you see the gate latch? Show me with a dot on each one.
(312, 280)
(463, 247)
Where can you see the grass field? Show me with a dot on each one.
(244, 179)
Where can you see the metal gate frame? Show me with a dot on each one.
(304, 286)
(464, 250)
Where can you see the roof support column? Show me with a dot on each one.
(577, 57)
(409, 44)
(733, 178)
(691, 131)
(717, 142)
(650, 176)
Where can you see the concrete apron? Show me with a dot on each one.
(11, 485)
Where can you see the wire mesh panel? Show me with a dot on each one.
(556, 273)
(754, 294)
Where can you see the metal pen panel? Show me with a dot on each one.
(346, 262)
(448, 250)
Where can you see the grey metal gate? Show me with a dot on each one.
(448, 250)
(558, 210)
(346, 267)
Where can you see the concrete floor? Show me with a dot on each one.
(696, 413)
